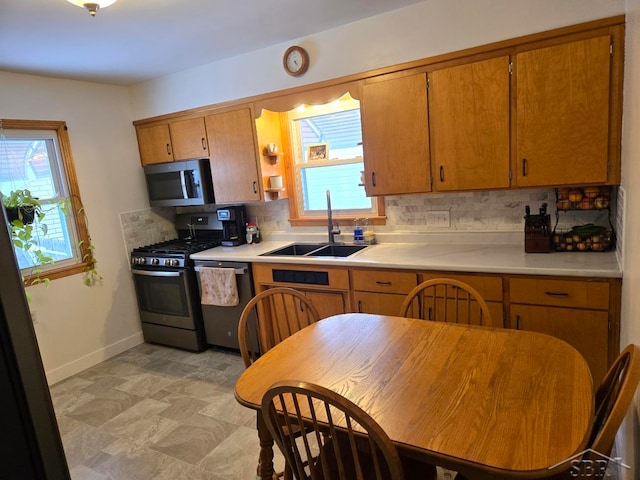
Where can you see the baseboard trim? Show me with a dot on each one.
(65, 371)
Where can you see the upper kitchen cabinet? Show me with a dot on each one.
(565, 118)
(469, 122)
(173, 141)
(396, 135)
(189, 139)
(154, 143)
(234, 156)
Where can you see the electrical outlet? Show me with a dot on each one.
(438, 218)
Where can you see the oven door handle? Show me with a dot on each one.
(238, 271)
(153, 273)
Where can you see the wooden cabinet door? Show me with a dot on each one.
(562, 114)
(378, 303)
(234, 156)
(469, 122)
(328, 303)
(189, 139)
(154, 144)
(396, 136)
(586, 330)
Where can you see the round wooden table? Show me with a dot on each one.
(481, 401)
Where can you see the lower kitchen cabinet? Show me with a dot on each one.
(381, 291)
(583, 313)
(586, 330)
(326, 287)
(490, 288)
(378, 303)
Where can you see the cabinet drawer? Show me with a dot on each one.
(560, 293)
(490, 288)
(386, 281)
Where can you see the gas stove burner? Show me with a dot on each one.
(171, 253)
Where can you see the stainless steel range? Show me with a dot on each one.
(166, 284)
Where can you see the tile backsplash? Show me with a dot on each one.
(144, 227)
(495, 211)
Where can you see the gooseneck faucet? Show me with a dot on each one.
(331, 229)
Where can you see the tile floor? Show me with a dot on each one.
(157, 413)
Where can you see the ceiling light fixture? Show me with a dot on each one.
(93, 7)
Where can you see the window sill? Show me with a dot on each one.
(54, 273)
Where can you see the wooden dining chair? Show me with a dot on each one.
(345, 443)
(447, 300)
(270, 317)
(612, 401)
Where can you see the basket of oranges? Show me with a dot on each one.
(585, 198)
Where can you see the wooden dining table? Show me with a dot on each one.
(486, 402)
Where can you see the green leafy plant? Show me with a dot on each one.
(28, 226)
(22, 209)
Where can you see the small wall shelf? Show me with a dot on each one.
(273, 157)
(274, 192)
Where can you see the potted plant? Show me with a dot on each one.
(22, 206)
(22, 210)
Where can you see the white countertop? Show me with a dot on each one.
(480, 258)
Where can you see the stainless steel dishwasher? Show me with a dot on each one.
(221, 323)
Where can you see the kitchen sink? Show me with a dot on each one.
(315, 250)
(336, 250)
(296, 249)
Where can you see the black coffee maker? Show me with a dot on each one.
(234, 230)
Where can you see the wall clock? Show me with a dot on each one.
(295, 60)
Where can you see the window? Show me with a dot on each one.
(326, 141)
(36, 156)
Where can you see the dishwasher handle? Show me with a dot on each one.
(238, 271)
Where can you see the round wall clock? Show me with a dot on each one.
(295, 60)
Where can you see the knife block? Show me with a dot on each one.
(537, 234)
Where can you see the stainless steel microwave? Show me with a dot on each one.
(179, 184)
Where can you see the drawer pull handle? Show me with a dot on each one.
(359, 306)
(384, 284)
(517, 322)
(373, 178)
(441, 173)
(557, 294)
(525, 170)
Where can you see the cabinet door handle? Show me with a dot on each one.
(373, 178)
(384, 284)
(557, 294)
(441, 173)
(517, 322)
(204, 143)
(524, 167)
(430, 313)
(255, 187)
(359, 306)
(168, 149)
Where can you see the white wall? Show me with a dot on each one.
(79, 326)
(422, 30)
(630, 331)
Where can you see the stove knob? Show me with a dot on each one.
(155, 261)
(175, 263)
(142, 261)
(167, 262)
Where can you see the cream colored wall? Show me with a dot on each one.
(79, 326)
(422, 30)
(630, 327)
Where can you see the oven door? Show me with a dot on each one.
(164, 297)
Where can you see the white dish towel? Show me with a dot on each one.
(219, 286)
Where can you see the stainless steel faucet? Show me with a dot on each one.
(331, 229)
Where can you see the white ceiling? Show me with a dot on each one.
(136, 40)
